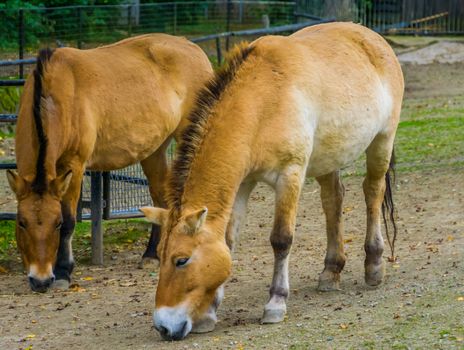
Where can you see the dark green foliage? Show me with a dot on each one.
(44, 23)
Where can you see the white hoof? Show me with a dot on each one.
(204, 325)
(61, 285)
(273, 316)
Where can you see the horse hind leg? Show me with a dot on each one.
(238, 214)
(378, 154)
(287, 187)
(332, 193)
(155, 168)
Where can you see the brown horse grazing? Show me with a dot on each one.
(99, 109)
(283, 108)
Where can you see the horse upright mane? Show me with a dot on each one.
(40, 184)
(194, 134)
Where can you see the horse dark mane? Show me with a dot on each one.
(40, 184)
(194, 134)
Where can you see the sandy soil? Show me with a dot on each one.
(419, 305)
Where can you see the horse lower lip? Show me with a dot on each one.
(40, 289)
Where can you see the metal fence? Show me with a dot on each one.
(417, 17)
(25, 30)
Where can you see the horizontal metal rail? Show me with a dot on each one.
(262, 31)
(12, 82)
(17, 62)
(8, 118)
(7, 166)
(307, 15)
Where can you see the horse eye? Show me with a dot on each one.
(22, 224)
(181, 262)
(58, 225)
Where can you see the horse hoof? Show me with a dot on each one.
(148, 263)
(273, 316)
(328, 286)
(374, 274)
(329, 281)
(204, 325)
(61, 285)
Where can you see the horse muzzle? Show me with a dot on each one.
(41, 285)
(172, 323)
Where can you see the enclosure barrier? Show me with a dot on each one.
(99, 201)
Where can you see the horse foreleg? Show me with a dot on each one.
(287, 187)
(64, 261)
(332, 192)
(155, 168)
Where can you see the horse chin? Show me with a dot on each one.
(206, 324)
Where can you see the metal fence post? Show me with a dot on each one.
(229, 10)
(106, 195)
(21, 41)
(129, 20)
(96, 214)
(79, 15)
(175, 18)
(79, 206)
(218, 51)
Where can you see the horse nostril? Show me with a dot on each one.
(164, 332)
(52, 279)
(180, 333)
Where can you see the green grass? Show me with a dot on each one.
(117, 235)
(430, 135)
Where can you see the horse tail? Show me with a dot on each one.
(388, 206)
(40, 185)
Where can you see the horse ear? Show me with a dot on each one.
(60, 185)
(196, 219)
(155, 215)
(16, 182)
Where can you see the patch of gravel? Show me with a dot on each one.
(440, 52)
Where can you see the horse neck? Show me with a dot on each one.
(220, 165)
(27, 143)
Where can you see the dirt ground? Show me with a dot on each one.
(420, 304)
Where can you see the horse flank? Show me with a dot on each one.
(40, 183)
(194, 134)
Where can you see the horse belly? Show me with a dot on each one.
(130, 143)
(342, 136)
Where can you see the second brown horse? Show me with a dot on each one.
(100, 109)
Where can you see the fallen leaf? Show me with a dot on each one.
(127, 284)
(76, 288)
(30, 336)
(343, 326)
(460, 299)
(3, 270)
(88, 278)
(432, 248)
